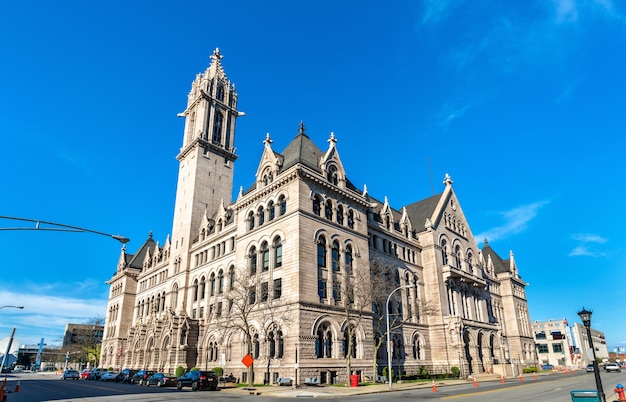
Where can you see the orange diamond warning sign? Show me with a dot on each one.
(247, 360)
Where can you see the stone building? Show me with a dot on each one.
(555, 344)
(296, 271)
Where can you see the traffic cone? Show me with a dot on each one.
(501, 379)
(521, 377)
(475, 383)
(17, 387)
(434, 386)
(534, 376)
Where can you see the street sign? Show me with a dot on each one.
(247, 360)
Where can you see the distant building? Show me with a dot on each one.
(553, 339)
(82, 334)
(579, 332)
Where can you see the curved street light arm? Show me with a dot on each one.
(59, 227)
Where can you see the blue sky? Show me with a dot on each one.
(522, 103)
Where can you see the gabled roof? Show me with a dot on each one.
(419, 211)
(499, 265)
(302, 150)
(136, 260)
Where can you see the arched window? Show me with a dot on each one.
(317, 205)
(328, 210)
(255, 346)
(349, 345)
(335, 257)
(202, 288)
(261, 214)
(231, 277)
(340, 214)
(195, 290)
(348, 258)
(281, 344)
(457, 256)
(272, 344)
(265, 255)
(174, 298)
(219, 94)
(444, 251)
(251, 220)
(470, 263)
(351, 219)
(220, 288)
(278, 253)
(253, 260)
(213, 284)
(217, 127)
(332, 174)
(321, 252)
(271, 209)
(324, 341)
(282, 205)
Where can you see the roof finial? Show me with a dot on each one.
(332, 140)
(485, 242)
(301, 128)
(447, 180)
(216, 56)
(268, 141)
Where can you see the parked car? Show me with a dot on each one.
(109, 376)
(197, 380)
(125, 376)
(613, 367)
(547, 367)
(228, 378)
(589, 368)
(70, 375)
(161, 380)
(95, 373)
(141, 376)
(84, 374)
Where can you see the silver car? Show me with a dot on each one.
(613, 367)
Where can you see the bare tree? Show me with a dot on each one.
(253, 302)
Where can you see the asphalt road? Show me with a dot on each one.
(550, 388)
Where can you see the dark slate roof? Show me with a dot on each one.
(302, 150)
(419, 211)
(499, 265)
(137, 259)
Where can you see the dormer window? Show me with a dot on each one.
(332, 174)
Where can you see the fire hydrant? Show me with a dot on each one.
(619, 390)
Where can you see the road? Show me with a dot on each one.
(550, 388)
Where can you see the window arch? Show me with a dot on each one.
(340, 214)
(231, 277)
(324, 341)
(250, 220)
(265, 257)
(271, 209)
(261, 214)
(348, 259)
(212, 284)
(335, 257)
(444, 251)
(220, 288)
(282, 205)
(278, 253)
(317, 205)
(351, 219)
(457, 256)
(328, 209)
(332, 175)
(202, 287)
(418, 348)
(253, 260)
(195, 290)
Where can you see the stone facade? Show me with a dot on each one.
(300, 270)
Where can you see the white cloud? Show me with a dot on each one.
(589, 238)
(584, 248)
(515, 221)
(45, 316)
(435, 11)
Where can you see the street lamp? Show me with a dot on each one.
(389, 331)
(585, 317)
(59, 227)
(20, 307)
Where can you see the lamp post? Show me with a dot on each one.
(585, 317)
(4, 358)
(389, 331)
(20, 307)
(59, 227)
